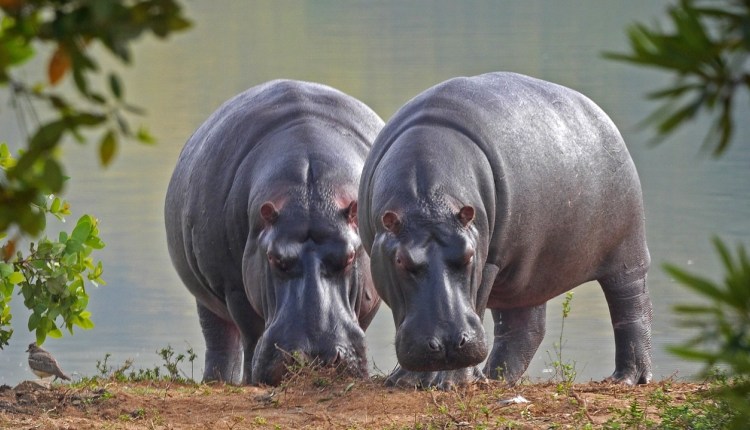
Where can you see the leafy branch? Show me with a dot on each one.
(707, 51)
(51, 277)
(722, 323)
(71, 27)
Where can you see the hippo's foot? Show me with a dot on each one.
(442, 380)
(518, 333)
(223, 366)
(637, 371)
(631, 312)
(628, 378)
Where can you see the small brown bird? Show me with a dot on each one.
(43, 364)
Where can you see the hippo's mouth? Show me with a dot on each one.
(429, 354)
(282, 364)
(429, 362)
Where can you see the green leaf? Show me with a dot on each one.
(6, 158)
(6, 270)
(14, 50)
(673, 91)
(55, 206)
(57, 285)
(95, 242)
(52, 175)
(55, 333)
(83, 322)
(134, 109)
(144, 136)
(123, 125)
(34, 320)
(696, 309)
(82, 302)
(82, 229)
(48, 135)
(686, 112)
(107, 148)
(88, 119)
(691, 354)
(696, 283)
(79, 77)
(16, 278)
(115, 86)
(6, 290)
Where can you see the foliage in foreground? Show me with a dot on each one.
(723, 326)
(706, 49)
(50, 276)
(661, 412)
(70, 29)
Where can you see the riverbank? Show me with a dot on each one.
(325, 401)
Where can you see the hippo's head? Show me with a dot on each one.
(426, 264)
(316, 294)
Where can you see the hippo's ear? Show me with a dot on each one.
(465, 215)
(351, 213)
(391, 222)
(269, 212)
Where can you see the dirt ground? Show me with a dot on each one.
(320, 401)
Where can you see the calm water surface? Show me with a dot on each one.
(384, 53)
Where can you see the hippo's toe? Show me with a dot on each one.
(442, 380)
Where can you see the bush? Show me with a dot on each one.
(723, 326)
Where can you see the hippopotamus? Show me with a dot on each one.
(261, 222)
(501, 191)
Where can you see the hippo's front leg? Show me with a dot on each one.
(223, 352)
(442, 380)
(251, 327)
(518, 333)
(631, 313)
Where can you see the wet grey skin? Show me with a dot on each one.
(501, 191)
(43, 364)
(261, 222)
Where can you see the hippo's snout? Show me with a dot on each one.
(438, 345)
(420, 349)
(342, 359)
(275, 358)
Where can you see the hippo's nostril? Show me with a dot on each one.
(340, 356)
(434, 344)
(462, 340)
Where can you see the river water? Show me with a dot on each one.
(384, 53)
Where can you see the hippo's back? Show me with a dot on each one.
(232, 157)
(566, 193)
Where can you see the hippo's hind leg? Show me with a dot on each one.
(518, 334)
(223, 350)
(631, 313)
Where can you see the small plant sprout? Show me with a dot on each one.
(565, 372)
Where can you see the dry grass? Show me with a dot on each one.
(320, 399)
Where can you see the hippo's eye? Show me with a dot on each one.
(469, 257)
(335, 264)
(463, 260)
(281, 264)
(349, 258)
